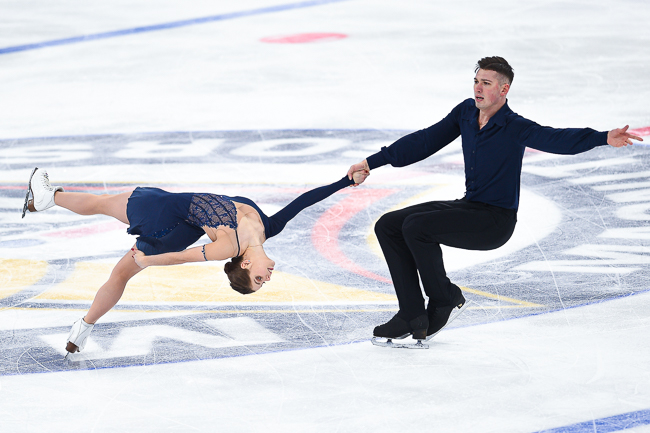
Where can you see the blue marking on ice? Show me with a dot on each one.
(606, 425)
(165, 26)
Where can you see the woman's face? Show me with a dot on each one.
(260, 271)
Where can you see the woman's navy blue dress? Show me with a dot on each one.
(168, 222)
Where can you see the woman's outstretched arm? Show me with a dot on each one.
(221, 249)
(281, 218)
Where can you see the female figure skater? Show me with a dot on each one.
(167, 223)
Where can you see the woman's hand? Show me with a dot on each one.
(139, 257)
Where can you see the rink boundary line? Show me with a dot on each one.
(166, 26)
(608, 424)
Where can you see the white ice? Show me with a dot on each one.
(403, 66)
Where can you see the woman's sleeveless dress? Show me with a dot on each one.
(169, 222)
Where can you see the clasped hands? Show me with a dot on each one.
(359, 172)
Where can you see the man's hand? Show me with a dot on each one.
(620, 137)
(359, 172)
(139, 257)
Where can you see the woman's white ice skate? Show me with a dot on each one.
(41, 191)
(78, 336)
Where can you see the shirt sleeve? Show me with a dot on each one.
(568, 141)
(419, 145)
(281, 218)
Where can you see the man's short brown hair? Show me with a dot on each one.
(498, 65)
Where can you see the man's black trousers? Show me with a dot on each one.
(410, 239)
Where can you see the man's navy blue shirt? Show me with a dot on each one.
(493, 155)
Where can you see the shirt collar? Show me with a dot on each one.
(499, 117)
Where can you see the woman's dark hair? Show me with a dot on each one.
(240, 279)
(498, 65)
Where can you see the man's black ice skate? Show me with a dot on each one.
(398, 328)
(439, 317)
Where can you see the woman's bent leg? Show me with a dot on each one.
(112, 290)
(82, 203)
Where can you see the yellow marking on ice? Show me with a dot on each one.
(18, 274)
(196, 283)
(371, 239)
(172, 308)
(502, 298)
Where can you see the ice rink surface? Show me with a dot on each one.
(267, 100)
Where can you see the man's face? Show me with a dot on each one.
(487, 90)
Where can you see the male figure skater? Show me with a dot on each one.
(493, 139)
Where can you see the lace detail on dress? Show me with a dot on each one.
(212, 210)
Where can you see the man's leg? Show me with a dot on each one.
(410, 239)
(400, 261)
(460, 224)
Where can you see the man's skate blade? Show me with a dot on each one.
(26, 205)
(455, 313)
(389, 343)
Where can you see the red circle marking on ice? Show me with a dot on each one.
(303, 38)
(325, 233)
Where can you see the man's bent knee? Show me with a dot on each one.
(387, 224)
(411, 228)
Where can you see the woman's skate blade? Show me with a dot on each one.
(29, 190)
(388, 342)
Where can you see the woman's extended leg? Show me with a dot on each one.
(105, 299)
(111, 292)
(90, 204)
